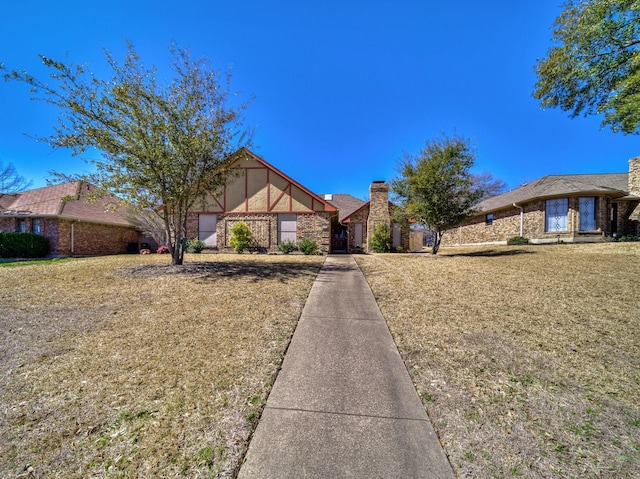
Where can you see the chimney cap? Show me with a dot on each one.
(378, 181)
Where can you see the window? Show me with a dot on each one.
(396, 238)
(287, 225)
(587, 213)
(489, 219)
(207, 229)
(36, 226)
(557, 211)
(22, 226)
(357, 240)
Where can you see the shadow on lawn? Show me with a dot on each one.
(493, 252)
(242, 270)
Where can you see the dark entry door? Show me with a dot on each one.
(339, 239)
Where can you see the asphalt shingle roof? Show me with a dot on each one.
(346, 204)
(615, 184)
(66, 200)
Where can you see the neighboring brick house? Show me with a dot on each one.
(71, 224)
(568, 208)
(277, 208)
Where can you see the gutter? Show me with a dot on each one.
(521, 219)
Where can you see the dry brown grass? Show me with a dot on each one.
(527, 358)
(127, 367)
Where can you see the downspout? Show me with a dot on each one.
(72, 248)
(521, 219)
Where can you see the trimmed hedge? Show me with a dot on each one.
(518, 240)
(23, 245)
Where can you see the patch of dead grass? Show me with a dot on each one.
(527, 358)
(128, 367)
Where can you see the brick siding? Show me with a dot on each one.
(88, 238)
(506, 224)
(264, 227)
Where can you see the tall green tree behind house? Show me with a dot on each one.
(163, 144)
(593, 68)
(436, 187)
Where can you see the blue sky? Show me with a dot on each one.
(342, 88)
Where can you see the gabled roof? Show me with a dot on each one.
(609, 184)
(66, 200)
(346, 205)
(244, 152)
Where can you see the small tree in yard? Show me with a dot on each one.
(436, 187)
(163, 145)
(241, 237)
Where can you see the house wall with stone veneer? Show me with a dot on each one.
(506, 224)
(378, 208)
(264, 228)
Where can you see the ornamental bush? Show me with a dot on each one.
(164, 249)
(241, 237)
(308, 246)
(195, 246)
(287, 246)
(629, 238)
(517, 240)
(23, 245)
(381, 238)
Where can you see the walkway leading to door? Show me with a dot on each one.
(343, 404)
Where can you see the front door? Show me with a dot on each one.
(339, 239)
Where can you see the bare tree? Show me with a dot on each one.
(11, 181)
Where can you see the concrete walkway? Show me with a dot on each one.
(343, 404)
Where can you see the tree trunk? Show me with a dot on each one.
(437, 237)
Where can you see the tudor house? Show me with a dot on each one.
(568, 208)
(277, 208)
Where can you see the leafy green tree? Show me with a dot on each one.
(241, 237)
(594, 66)
(381, 238)
(10, 180)
(436, 187)
(163, 145)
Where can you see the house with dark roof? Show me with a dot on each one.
(72, 224)
(568, 208)
(274, 206)
(277, 208)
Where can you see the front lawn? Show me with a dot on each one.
(126, 366)
(527, 358)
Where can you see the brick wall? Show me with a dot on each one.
(378, 208)
(317, 227)
(94, 238)
(360, 216)
(633, 224)
(506, 224)
(48, 229)
(264, 228)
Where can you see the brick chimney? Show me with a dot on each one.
(378, 207)
(634, 176)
